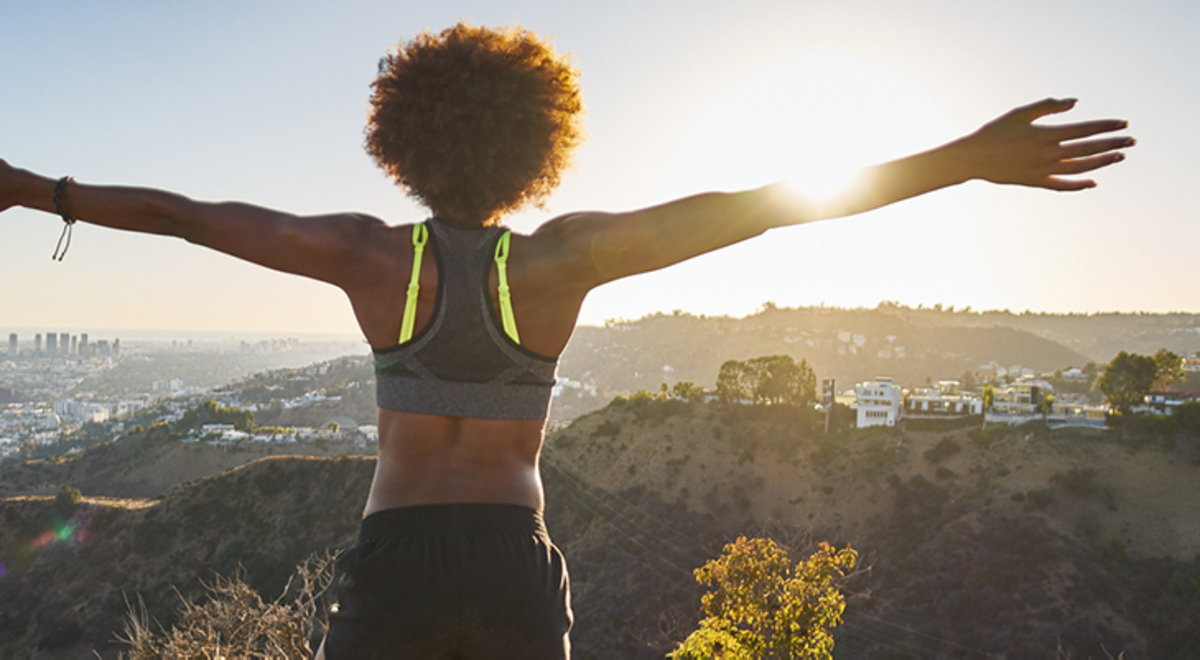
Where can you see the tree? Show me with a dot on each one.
(1047, 404)
(211, 412)
(735, 381)
(1169, 368)
(759, 607)
(780, 379)
(686, 390)
(767, 379)
(989, 397)
(1127, 380)
(67, 500)
(1187, 417)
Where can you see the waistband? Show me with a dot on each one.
(463, 518)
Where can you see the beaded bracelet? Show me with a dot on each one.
(68, 221)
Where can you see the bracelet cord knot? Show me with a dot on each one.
(68, 221)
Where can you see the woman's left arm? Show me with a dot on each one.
(600, 247)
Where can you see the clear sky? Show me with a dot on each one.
(264, 102)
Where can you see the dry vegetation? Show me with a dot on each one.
(1018, 543)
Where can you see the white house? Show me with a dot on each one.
(1023, 397)
(1165, 403)
(945, 400)
(878, 402)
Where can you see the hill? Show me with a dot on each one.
(1004, 542)
(145, 465)
(68, 574)
(848, 345)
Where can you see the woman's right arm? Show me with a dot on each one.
(329, 248)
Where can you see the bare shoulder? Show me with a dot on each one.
(374, 247)
(562, 248)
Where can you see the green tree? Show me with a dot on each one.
(1047, 404)
(1187, 416)
(211, 412)
(758, 606)
(780, 379)
(735, 381)
(1169, 369)
(1127, 380)
(989, 397)
(67, 499)
(686, 390)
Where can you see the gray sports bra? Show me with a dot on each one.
(462, 364)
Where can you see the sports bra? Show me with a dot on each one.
(465, 362)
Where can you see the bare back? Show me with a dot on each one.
(435, 459)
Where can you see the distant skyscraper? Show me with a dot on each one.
(12, 343)
(83, 345)
(74, 345)
(51, 343)
(102, 348)
(117, 347)
(37, 344)
(64, 343)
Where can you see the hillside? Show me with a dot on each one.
(65, 592)
(1018, 542)
(1006, 541)
(851, 346)
(145, 465)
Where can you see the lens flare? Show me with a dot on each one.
(61, 532)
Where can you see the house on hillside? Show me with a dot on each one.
(1076, 414)
(1165, 403)
(1024, 397)
(944, 400)
(878, 402)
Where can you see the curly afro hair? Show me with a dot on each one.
(475, 122)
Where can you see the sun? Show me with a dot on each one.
(811, 120)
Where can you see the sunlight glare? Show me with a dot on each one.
(811, 120)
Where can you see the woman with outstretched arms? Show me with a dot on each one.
(466, 320)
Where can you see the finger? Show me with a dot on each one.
(1066, 185)
(1092, 147)
(1042, 108)
(1080, 165)
(1085, 129)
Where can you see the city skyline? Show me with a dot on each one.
(228, 101)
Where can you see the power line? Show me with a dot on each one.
(596, 515)
(683, 551)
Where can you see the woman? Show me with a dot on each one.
(474, 122)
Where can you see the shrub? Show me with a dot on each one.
(67, 499)
(233, 618)
(1088, 526)
(759, 606)
(1040, 499)
(608, 427)
(1083, 484)
(943, 450)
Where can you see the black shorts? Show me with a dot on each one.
(451, 581)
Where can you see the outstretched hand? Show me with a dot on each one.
(1012, 149)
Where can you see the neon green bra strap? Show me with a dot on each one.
(506, 312)
(419, 236)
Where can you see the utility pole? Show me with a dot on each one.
(828, 390)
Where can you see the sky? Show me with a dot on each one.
(264, 102)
